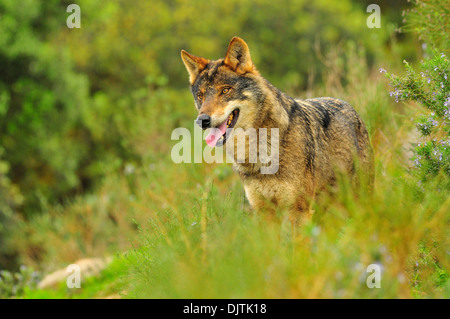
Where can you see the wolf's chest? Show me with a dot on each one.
(270, 190)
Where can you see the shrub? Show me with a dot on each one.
(430, 20)
(41, 98)
(152, 34)
(10, 199)
(15, 284)
(430, 87)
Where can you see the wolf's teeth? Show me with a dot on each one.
(230, 118)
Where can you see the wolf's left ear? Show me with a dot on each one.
(193, 64)
(238, 56)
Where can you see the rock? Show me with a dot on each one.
(88, 267)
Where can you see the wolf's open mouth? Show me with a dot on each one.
(218, 136)
(231, 122)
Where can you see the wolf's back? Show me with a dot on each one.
(343, 128)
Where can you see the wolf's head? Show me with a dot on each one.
(227, 91)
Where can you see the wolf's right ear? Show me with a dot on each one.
(193, 64)
(238, 56)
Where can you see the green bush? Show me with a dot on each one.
(140, 42)
(70, 98)
(430, 87)
(15, 284)
(10, 200)
(430, 20)
(41, 98)
(96, 106)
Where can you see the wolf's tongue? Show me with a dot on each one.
(215, 134)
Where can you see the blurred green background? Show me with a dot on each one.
(83, 108)
(73, 102)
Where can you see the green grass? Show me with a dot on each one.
(207, 243)
(186, 231)
(211, 247)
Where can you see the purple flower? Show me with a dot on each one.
(447, 102)
(447, 111)
(382, 70)
(437, 154)
(417, 161)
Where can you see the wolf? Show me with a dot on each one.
(317, 138)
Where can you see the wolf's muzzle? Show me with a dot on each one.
(204, 121)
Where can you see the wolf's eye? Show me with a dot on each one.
(200, 95)
(225, 90)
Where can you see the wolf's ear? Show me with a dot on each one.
(238, 56)
(193, 64)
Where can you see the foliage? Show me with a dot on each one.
(430, 87)
(79, 104)
(204, 242)
(10, 199)
(15, 284)
(141, 41)
(41, 99)
(190, 233)
(217, 249)
(86, 117)
(67, 96)
(430, 20)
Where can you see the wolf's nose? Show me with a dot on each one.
(204, 121)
